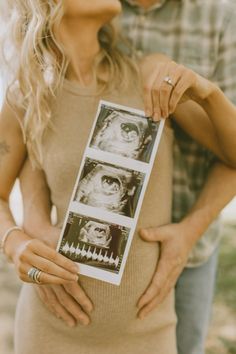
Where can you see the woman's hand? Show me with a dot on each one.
(64, 298)
(28, 253)
(167, 84)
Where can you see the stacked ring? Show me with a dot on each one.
(34, 275)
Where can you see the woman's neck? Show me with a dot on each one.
(80, 40)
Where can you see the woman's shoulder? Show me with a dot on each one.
(149, 63)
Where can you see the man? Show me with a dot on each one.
(200, 35)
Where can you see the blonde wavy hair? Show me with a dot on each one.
(41, 66)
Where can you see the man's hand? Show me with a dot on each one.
(68, 302)
(175, 246)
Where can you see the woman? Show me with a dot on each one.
(68, 62)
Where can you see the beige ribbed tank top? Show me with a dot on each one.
(115, 328)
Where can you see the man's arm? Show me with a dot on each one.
(177, 240)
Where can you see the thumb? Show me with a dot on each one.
(152, 234)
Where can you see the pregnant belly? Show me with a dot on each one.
(116, 305)
(115, 310)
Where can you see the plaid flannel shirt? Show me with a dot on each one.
(202, 36)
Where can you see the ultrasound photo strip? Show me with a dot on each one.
(109, 187)
(94, 242)
(124, 133)
(109, 190)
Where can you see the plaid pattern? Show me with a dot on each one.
(202, 36)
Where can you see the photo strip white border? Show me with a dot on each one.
(101, 214)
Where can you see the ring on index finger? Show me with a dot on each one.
(169, 81)
(34, 275)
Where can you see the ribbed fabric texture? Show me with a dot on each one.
(115, 327)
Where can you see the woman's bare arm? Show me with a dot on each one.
(67, 301)
(37, 205)
(24, 251)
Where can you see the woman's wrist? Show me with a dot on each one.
(7, 234)
(51, 235)
(44, 232)
(204, 91)
(212, 97)
(13, 242)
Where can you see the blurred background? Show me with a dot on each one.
(222, 333)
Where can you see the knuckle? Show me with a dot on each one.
(53, 256)
(46, 268)
(20, 268)
(68, 287)
(22, 256)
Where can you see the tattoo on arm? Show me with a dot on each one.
(4, 149)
